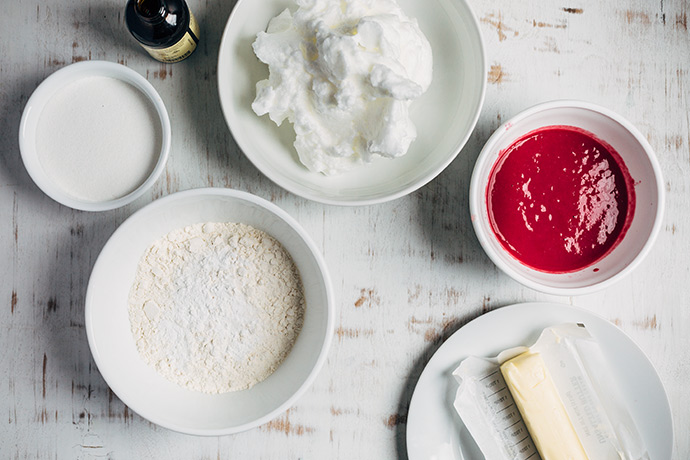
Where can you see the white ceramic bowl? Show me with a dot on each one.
(42, 95)
(642, 165)
(444, 116)
(140, 386)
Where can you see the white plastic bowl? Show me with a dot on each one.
(444, 116)
(641, 162)
(140, 386)
(52, 85)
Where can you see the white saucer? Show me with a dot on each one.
(434, 430)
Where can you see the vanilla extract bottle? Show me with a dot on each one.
(164, 28)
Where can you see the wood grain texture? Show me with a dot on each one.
(406, 274)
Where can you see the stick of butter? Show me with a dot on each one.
(560, 389)
(541, 408)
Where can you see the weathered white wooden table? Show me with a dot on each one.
(406, 274)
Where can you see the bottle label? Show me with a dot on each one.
(180, 50)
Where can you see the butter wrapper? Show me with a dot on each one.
(584, 384)
(487, 409)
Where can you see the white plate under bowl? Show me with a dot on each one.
(444, 116)
(434, 430)
(139, 385)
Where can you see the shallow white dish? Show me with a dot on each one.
(51, 86)
(434, 430)
(140, 386)
(444, 116)
(641, 162)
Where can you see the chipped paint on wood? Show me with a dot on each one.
(413, 322)
(546, 25)
(681, 22)
(52, 305)
(647, 323)
(637, 17)
(413, 294)
(496, 22)
(164, 71)
(406, 274)
(549, 45)
(675, 141)
(496, 74)
(574, 10)
(283, 425)
(15, 227)
(367, 297)
(442, 330)
(352, 333)
(395, 419)
(45, 365)
(486, 304)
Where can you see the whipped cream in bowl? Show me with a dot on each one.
(344, 74)
(354, 102)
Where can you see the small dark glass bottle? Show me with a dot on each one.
(165, 28)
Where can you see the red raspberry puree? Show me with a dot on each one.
(559, 199)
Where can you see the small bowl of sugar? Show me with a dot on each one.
(94, 136)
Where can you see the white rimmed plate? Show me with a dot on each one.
(444, 116)
(433, 427)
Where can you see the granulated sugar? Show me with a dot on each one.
(216, 307)
(98, 138)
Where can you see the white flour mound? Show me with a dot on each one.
(216, 307)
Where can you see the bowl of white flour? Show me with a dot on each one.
(95, 135)
(351, 103)
(209, 311)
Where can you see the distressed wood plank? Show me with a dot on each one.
(406, 274)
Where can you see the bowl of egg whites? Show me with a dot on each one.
(365, 107)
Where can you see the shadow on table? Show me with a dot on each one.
(444, 217)
(413, 378)
(52, 249)
(418, 368)
(13, 99)
(443, 207)
(227, 165)
(100, 29)
(78, 244)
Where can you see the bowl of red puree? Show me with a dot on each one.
(567, 197)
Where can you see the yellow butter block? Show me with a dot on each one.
(541, 408)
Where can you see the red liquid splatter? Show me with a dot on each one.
(559, 199)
